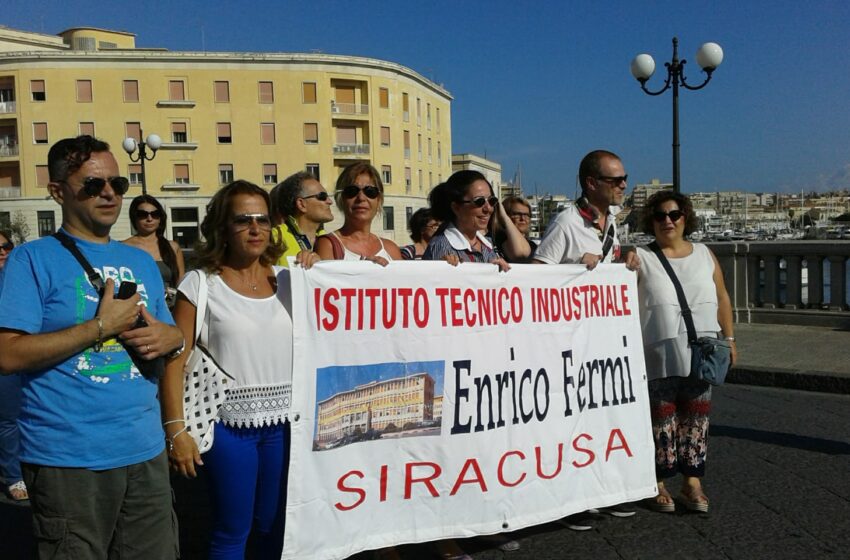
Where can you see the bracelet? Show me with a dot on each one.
(174, 353)
(730, 338)
(170, 440)
(98, 343)
(167, 422)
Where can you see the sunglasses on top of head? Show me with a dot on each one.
(661, 217)
(93, 186)
(144, 214)
(241, 222)
(371, 191)
(321, 196)
(479, 201)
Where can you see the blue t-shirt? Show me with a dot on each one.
(93, 410)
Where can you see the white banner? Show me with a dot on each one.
(433, 401)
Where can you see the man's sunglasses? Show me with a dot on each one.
(616, 181)
(322, 196)
(144, 214)
(370, 191)
(661, 217)
(93, 186)
(8, 246)
(241, 222)
(479, 201)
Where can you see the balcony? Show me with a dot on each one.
(349, 109)
(9, 150)
(351, 149)
(10, 192)
(8, 107)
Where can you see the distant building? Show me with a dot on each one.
(642, 192)
(490, 169)
(543, 210)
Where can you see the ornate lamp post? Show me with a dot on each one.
(709, 57)
(153, 142)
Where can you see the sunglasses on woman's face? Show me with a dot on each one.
(321, 196)
(674, 215)
(370, 191)
(93, 186)
(241, 222)
(8, 246)
(144, 214)
(479, 201)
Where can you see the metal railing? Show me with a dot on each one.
(10, 192)
(9, 150)
(351, 149)
(790, 282)
(349, 108)
(8, 106)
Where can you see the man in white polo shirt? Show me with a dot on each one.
(586, 233)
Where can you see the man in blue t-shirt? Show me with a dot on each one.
(92, 444)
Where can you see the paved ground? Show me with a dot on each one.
(778, 479)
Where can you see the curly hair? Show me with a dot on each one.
(654, 203)
(69, 154)
(211, 253)
(350, 174)
(453, 190)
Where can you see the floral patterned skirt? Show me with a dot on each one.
(679, 407)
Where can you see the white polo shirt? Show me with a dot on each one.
(570, 236)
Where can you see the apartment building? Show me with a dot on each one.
(220, 115)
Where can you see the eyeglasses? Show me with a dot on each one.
(616, 181)
(370, 191)
(321, 196)
(93, 186)
(241, 222)
(479, 201)
(433, 225)
(520, 215)
(661, 217)
(144, 214)
(8, 246)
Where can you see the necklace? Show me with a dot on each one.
(252, 285)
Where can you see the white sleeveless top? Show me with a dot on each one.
(665, 336)
(252, 341)
(352, 256)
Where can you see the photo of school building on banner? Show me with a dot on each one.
(433, 401)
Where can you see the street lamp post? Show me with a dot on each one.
(709, 57)
(153, 142)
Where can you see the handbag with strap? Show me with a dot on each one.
(204, 381)
(711, 357)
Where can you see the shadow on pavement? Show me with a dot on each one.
(806, 443)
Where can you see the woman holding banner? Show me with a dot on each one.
(465, 204)
(679, 402)
(248, 331)
(359, 194)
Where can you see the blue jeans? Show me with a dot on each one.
(247, 469)
(10, 440)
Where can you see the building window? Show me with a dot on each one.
(42, 176)
(133, 130)
(439, 154)
(384, 98)
(84, 91)
(429, 150)
(430, 180)
(418, 110)
(270, 173)
(37, 90)
(221, 91)
(39, 132)
(419, 146)
(225, 173)
(438, 119)
(267, 135)
(407, 179)
(313, 169)
(405, 107)
(389, 218)
(178, 133)
(406, 144)
(176, 90)
(308, 92)
(223, 133)
(420, 180)
(185, 226)
(387, 174)
(385, 136)
(134, 173)
(266, 91)
(131, 91)
(86, 129)
(46, 223)
(5, 221)
(408, 213)
(311, 133)
(181, 173)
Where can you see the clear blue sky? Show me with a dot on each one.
(540, 84)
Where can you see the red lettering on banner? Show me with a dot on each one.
(479, 477)
(442, 293)
(317, 302)
(500, 471)
(330, 309)
(383, 496)
(409, 480)
(625, 300)
(421, 308)
(539, 457)
(623, 444)
(343, 488)
(591, 456)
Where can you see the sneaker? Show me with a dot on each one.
(620, 510)
(577, 522)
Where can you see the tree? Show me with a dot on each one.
(19, 228)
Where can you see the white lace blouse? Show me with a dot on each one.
(251, 339)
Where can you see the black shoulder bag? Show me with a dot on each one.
(711, 357)
(152, 369)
